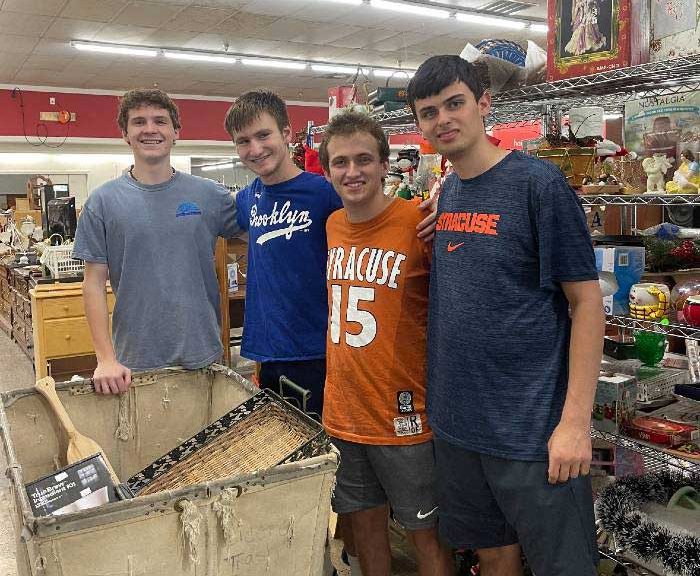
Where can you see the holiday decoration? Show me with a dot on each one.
(619, 512)
(663, 255)
(649, 301)
(656, 168)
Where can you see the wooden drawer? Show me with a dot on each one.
(68, 306)
(69, 337)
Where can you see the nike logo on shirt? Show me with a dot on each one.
(452, 247)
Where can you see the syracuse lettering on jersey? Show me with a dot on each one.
(468, 222)
(372, 265)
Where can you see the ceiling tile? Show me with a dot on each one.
(8, 71)
(123, 34)
(198, 19)
(324, 34)
(38, 77)
(206, 41)
(17, 44)
(55, 63)
(244, 23)
(77, 78)
(322, 11)
(23, 24)
(283, 29)
(53, 47)
(40, 7)
(69, 29)
(277, 8)
(364, 37)
(365, 16)
(147, 14)
(97, 10)
(169, 38)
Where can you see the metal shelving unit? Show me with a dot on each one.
(650, 451)
(674, 328)
(610, 89)
(640, 200)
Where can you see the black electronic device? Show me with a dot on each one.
(48, 193)
(61, 218)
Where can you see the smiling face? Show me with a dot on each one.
(356, 171)
(264, 148)
(453, 120)
(150, 133)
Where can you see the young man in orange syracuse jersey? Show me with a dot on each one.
(374, 403)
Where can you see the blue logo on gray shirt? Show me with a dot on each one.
(188, 209)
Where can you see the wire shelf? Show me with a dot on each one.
(639, 199)
(650, 451)
(621, 560)
(674, 328)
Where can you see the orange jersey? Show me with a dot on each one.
(378, 275)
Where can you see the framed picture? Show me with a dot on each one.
(587, 36)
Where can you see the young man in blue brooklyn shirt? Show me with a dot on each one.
(511, 371)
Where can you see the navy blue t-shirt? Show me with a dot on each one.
(499, 328)
(286, 303)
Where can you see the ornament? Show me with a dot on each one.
(649, 300)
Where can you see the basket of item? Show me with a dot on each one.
(576, 163)
(59, 261)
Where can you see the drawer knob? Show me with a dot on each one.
(67, 336)
(65, 307)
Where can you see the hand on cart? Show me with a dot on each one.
(111, 378)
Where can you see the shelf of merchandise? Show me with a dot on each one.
(610, 89)
(650, 451)
(639, 199)
(621, 560)
(674, 328)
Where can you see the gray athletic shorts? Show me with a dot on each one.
(487, 502)
(371, 475)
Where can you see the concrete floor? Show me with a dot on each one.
(16, 371)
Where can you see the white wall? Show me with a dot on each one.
(99, 168)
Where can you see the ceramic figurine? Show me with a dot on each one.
(686, 179)
(649, 301)
(656, 168)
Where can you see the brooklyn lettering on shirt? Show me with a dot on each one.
(291, 221)
(372, 265)
(469, 222)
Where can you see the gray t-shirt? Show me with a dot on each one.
(158, 242)
(498, 333)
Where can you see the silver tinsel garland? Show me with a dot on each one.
(618, 509)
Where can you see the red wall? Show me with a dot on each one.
(96, 115)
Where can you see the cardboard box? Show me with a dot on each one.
(660, 431)
(613, 406)
(664, 125)
(627, 263)
(79, 486)
(675, 29)
(587, 37)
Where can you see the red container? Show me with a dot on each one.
(660, 431)
(588, 36)
(691, 310)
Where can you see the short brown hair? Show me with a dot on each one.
(146, 97)
(251, 105)
(347, 124)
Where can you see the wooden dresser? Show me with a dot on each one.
(59, 323)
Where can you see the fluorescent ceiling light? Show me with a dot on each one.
(489, 21)
(380, 73)
(269, 63)
(338, 68)
(539, 28)
(354, 2)
(199, 57)
(213, 167)
(407, 8)
(115, 49)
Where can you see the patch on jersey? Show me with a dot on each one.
(404, 400)
(187, 209)
(408, 425)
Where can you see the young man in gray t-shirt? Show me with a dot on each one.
(152, 232)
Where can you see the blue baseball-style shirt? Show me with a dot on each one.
(499, 328)
(286, 305)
